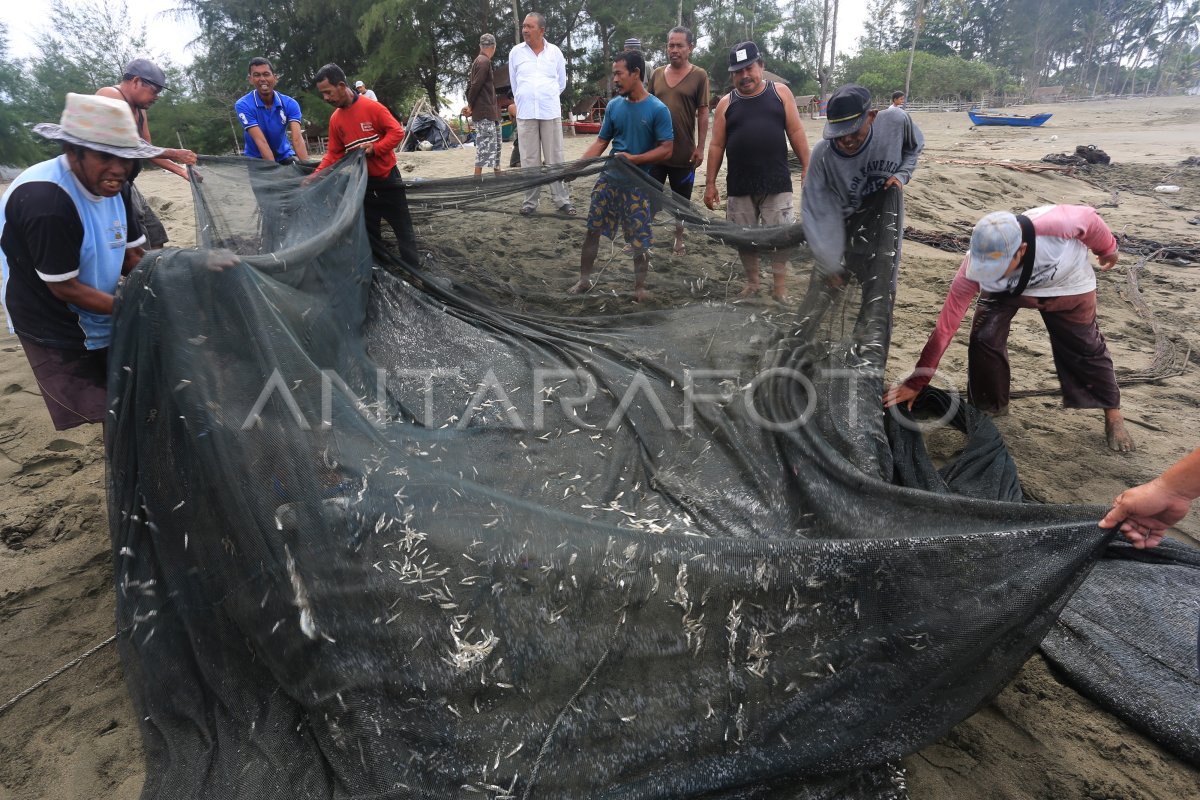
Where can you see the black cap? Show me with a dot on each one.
(147, 70)
(743, 55)
(846, 110)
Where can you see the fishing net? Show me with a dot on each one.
(440, 529)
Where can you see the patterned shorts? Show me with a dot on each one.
(615, 206)
(487, 143)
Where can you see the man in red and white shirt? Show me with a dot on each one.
(1039, 260)
(360, 123)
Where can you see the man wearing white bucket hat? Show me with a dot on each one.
(1039, 260)
(67, 235)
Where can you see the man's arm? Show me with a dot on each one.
(716, 154)
(954, 310)
(295, 132)
(596, 148)
(515, 61)
(1145, 512)
(821, 207)
(260, 141)
(914, 143)
(560, 65)
(165, 160)
(298, 143)
(701, 135)
(664, 134)
(1082, 223)
(660, 153)
(475, 83)
(795, 128)
(393, 132)
(79, 294)
(185, 156)
(133, 257)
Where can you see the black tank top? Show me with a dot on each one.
(139, 119)
(756, 144)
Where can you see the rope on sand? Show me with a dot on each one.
(73, 662)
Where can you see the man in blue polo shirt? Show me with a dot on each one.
(270, 118)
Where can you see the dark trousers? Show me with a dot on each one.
(385, 200)
(1081, 358)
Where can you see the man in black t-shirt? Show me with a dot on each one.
(67, 234)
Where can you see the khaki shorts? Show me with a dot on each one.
(753, 210)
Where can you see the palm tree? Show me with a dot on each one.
(918, 18)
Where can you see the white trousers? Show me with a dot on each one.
(541, 142)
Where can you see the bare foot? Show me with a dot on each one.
(780, 297)
(582, 286)
(680, 249)
(751, 290)
(640, 295)
(1114, 429)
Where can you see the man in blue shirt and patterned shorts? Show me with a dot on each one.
(639, 127)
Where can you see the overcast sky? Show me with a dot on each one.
(25, 18)
(169, 36)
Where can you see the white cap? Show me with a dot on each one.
(358, 84)
(994, 242)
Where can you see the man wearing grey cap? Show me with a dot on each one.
(1038, 259)
(141, 84)
(481, 99)
(860, 154)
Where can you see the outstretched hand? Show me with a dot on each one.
(900, 393)
(1145, 512)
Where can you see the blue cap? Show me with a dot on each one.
(994, 242)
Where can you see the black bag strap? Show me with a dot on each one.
(1029, 237)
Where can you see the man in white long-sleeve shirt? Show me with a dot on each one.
(538, 74)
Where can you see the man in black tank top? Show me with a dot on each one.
(141, 84)
(754, 124)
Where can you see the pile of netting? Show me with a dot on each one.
(440, 529)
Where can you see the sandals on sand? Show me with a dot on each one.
(527, 211)
(568, 210)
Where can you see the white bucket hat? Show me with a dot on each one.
(99, 123)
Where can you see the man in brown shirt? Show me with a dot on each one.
(481, 98)
(683, 89)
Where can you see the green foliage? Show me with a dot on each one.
(17, 146)
(933, 76)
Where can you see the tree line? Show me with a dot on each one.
(406, 49)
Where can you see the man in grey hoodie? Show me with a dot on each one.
(860, 154)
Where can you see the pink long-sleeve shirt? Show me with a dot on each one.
(1064, 236)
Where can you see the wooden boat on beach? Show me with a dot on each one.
(982, 118)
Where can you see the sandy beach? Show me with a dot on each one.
(77, 736)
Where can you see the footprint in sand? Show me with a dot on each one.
(12, 388)
(63, 445)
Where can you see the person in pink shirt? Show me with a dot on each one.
(1037, 260)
